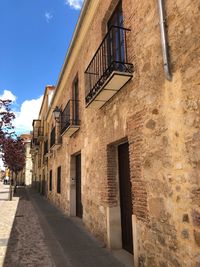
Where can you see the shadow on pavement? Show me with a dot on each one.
(26, 245)
(43, 236)
(12, 252)
(68, 238)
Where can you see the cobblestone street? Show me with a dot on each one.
(34, 233)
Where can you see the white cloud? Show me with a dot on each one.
(29, 111)
(8, 95)
(48, 16)
(24, 114)
(76, 4)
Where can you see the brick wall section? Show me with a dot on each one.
(112, 191)
(112, 183)
(139, 193)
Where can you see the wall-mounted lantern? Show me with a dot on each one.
(56, 113)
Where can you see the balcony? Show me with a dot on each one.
(40, 134)
(46, 148)
(38, 130)
(55, 138)
(70, 122)
(34, 146)
(109, 69)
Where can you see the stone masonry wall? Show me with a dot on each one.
(171, 236)
(159, 118)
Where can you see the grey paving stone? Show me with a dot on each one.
(79, 247)
(42, 236)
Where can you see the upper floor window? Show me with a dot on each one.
(116, 42)
(70, 114)
(109, 69)
(75, 99)
(55, 137)
(116, 18)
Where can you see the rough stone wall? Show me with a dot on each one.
(169, 136)
(56, 159)
(160, 119)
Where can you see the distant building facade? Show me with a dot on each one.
(123, 154)
(40, 143)
(25, 176)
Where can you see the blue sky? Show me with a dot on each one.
(35, 35)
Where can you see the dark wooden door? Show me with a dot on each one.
(43, 185)
(79, 208)
(125, 197)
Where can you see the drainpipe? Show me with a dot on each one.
(163, 34)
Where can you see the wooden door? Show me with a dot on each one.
(79, 208)
(43, 184)
(125, 197)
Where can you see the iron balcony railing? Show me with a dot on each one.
(41, 131)
(70, 115)
(112, 55)
(53, 137)
(38, 130)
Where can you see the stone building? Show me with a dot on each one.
(39, 144)
(25, 176)
(123, 154)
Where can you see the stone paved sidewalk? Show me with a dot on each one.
(26, 246)
(4, 193)
(33, 233)
(69, 242)
(7, 215)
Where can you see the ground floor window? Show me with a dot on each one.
(50, 180)
(59, 179)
